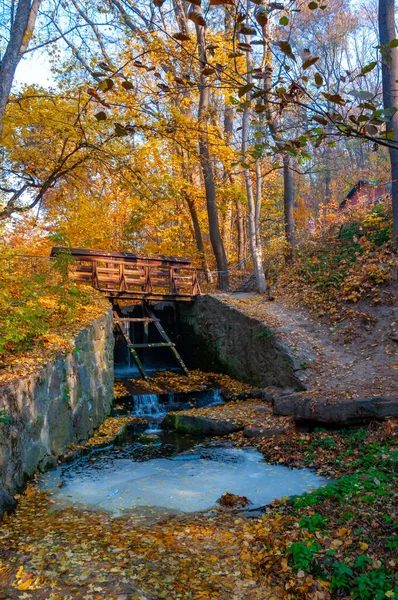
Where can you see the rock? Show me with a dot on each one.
(262, 409)
(263, 432)
(256, 394)
(286, 392)
(73, 455)
(57, 406)
(48, 463)
(268, 394)
(349, 412)
(122, 433)
(287, 405)
(198, 425)
(7, 502)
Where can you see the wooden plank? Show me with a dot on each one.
(131, 348)
(154, 345)
(86, 254)
(166, 337)
(135, 320)
(150, 297)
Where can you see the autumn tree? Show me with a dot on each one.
(16, 35)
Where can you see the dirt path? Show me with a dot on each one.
(348, 360)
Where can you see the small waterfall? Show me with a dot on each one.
(148, 407)
(210, 398)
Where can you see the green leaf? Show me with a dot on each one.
(361, 94)
(368, 68)
(120, 130)
(313, 5)
(100, 116)
(283, 21)
(393, 43)
(105, 85)
(245, 89)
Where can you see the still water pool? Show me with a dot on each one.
(174, 475)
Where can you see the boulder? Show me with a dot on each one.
(263, 432)
(349, 412)
(256, 394)
(287, 405)
(268, 394)
(7, 502)
(198, 425)
(48, 463)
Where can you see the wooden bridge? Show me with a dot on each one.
(126, 276)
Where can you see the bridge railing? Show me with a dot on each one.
(118, 277)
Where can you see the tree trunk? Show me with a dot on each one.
(240, 224)
(288, 203)
(228, 132)
(198, 237)
(390, 95)
(254, 238)
(259, 197)
(20, 31)
(255, 247)
(207, 169)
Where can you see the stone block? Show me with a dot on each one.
(196, 425)
(263, 432)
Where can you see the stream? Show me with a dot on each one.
(158, 473)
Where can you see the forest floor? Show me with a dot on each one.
(346, 359)
(339, 541)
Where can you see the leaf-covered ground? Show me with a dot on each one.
(337, 542)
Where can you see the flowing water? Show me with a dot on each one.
(149, 407)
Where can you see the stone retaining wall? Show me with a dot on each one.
(57, 406)
(215, 336)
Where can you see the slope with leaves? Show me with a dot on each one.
(41, 312)
(348, 260)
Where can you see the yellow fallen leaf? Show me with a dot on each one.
(20, 572)
(363, 545)
(26, 585)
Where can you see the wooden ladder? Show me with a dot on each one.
(150, 318)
